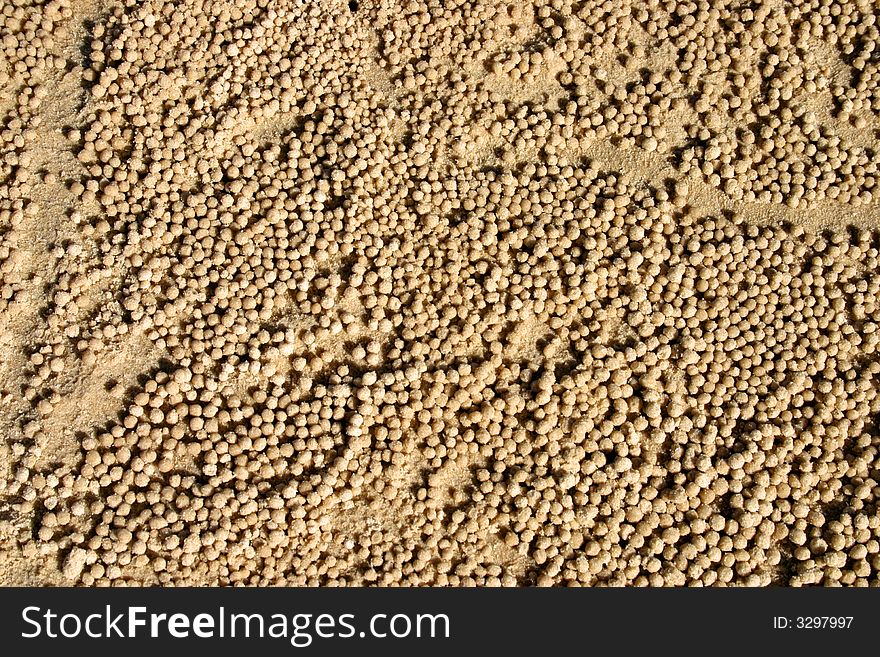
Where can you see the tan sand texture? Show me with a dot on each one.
(444, 292)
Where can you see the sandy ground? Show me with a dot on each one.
(539, 459)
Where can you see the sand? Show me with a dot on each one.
(448, 293)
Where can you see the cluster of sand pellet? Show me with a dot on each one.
(532, 292)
